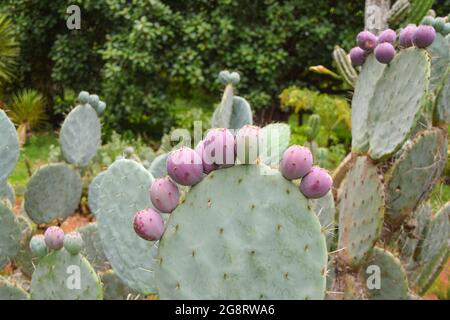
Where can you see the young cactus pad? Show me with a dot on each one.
(80, 135)
(9, 146)
(62, 276)
(9, 291)
(10, 235)
(243, 232)
(54, 192)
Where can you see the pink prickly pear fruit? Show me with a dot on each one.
(357, 56)
(219, 147)
(424, 36)
(406, 36)
(384, 52)
(366, 40)
(248, 144)
(316, 183)
(207, 168)
(54, 238)
(148, 224)
(185, 166)
(164, 195)
(388, 36)
(297, 161)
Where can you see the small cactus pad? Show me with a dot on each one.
(114, 288)
(275, 139)
(414, 173)
(442, 111)
(93, 248)
(242, 113)
(24, 258)
(399, 96)
(440, 59)
(9, 291)
(393, 281)
(371, 72)
(431, 270)
(94, 192)
(7, 193)
(10, 235)
(326, 212)
(158, 167)
(9, 146)
(54, 192)
(361, 209)
(125, 191)
(62, 276)
(80, 135)
(235, 238)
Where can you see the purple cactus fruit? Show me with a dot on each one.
(406, 36)
(366, 40)
(357, 56)
(185, 166)
(148, 224)
(207, 168)
(54, 238)
(316, 183)
(297, 161)
(424, 36)
(384, 52)
(388, 36)
(248, 144)
(219, 147)
(164, 195)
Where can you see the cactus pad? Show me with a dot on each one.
(62, 276)
(54, 192)
(442, 112)
(9, 146)
(94, 192)
(93, 248)
(80, 135)
(432, 270)
(361, 210)
(440, 59)
(10, 292)
(412, 176)
(236, 238)
(326, 211)
(158, 167)
(7, 193)
(113, 287)
(10, 235)
(125, 191)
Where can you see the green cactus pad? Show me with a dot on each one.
(436, 236)
(80, 135)
(442, 111)
(93, 248)
(125, 191)
(158, 167)
(440, 59)
(432, 270)
(94, 192)
(7, 193)
(371, 72)
(9, 146)
(234, 237)
(275, 140)
(326, 211)
(233, 112)
(394, 283)
(114, 288)
(360, 204)
(54, 192)
(62, 276)
(9, 291)
(414, 173)
(396, 105)
(24, 258)
(10, 235)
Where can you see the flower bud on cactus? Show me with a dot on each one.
(439, 24)
(427, 21)
(357, 56)
(37, 246)
(101, 106)
(54, 238)
(149, 224)
(406, 36)
(248, 144)
(73, 242)
(219, 147)
(235, 78)
(83, 97)
(366, 40)
(316, 183)
(424, 36)
(224, 77)
(128, 151)
(297, 161)
(207, 168)
(94, 100)
(185, 166)
(387, 35)
(164, 195)
(384, 53)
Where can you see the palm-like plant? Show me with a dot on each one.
(9, 50)
(27, 111)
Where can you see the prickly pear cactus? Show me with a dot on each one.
(93, 248)
(9, 147)
(9, 291)
(7, 193)
(10, 235)
(270, 233)
(158, 167)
